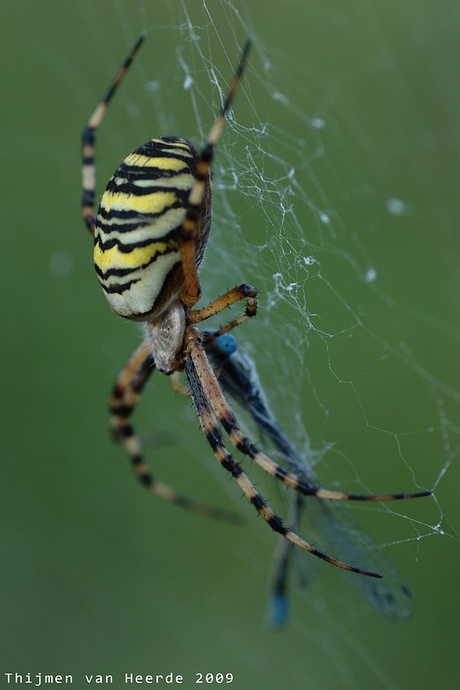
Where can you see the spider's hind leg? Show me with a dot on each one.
(204, 391)
(125, 395)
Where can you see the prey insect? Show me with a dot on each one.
(329, 520)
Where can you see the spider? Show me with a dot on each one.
(150, 234)
(390, 596)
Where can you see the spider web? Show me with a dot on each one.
(337, 254)
(356, 265)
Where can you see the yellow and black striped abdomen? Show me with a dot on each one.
(136, 250)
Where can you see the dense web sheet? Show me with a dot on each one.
(351, 343)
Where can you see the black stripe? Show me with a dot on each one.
(88, 136)
(277, 525)
(87, 197)
(207, 155)
(124, 431)
(121, 410)
(119, 288)
(127, 248)
(145, 172)
(232, 466)
(128, 185)
(122, 272)
(143, 219)
(146, 478)
(280, 473)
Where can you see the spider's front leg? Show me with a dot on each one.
(88, 168)
(241, 292)
(125, 396)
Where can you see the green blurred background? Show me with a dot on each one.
(96, 575)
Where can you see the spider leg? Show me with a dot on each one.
(238, 293)
(203, 385)
(177, 385)
(342, 496)
(292, 480)
(192, 289)
(126, 392)
(239, 378)
(215, 307)
(88, 143)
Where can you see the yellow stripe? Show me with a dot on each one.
(178, 143)
(149, 203)
(162, 163)
(114, 258)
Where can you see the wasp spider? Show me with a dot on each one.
(150, 234)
